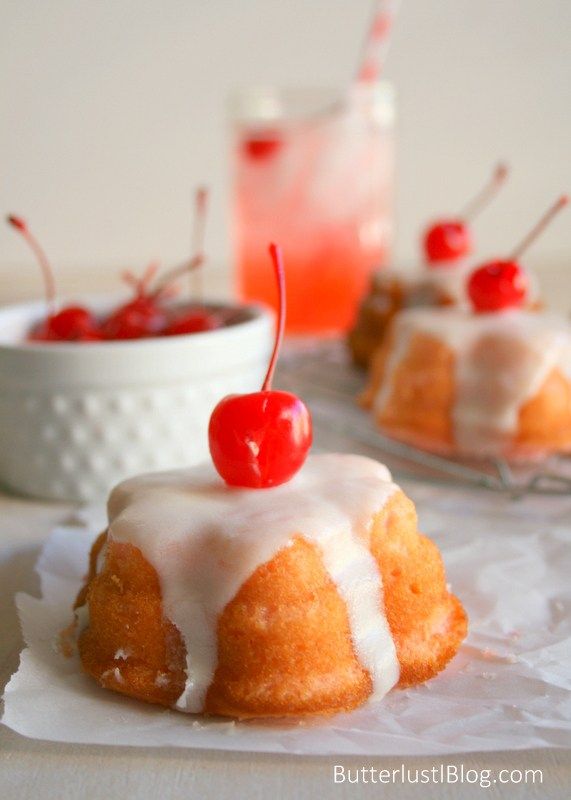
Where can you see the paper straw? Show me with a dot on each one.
(378, 41)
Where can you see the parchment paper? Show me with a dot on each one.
(509, 687)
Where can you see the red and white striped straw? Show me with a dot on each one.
(378, 41)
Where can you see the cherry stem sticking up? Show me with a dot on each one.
(277, 258)
(177, 272)
(22, 226)
(481, 200)
(560, 203)
(197, 239)
(141, 285)
(197, 259)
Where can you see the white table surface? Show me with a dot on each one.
(35, 769)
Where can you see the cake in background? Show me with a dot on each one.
(490, 381)
(440, 280)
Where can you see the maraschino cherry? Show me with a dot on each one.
(197, 320)
(449, 240)
(71, 323)
(503, 284)
(261, 439)
(262, 146)
(140, 317)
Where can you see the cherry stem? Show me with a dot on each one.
(49, 283)
(486, 194)
(277, 258)
(177, 272)
(560, 203)
(141, 285)
(194, 264)
(197, 239)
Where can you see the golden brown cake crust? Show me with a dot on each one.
(284, 642)
(129, 646)
(427, 622)
(388, 294)
(386, 298)
(422, 392)
(420, 401)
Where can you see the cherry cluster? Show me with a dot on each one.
(146, 314)
(141, 317)
(495, 285)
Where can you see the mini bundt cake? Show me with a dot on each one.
(308, 598)
(475, 384)
(391, 292)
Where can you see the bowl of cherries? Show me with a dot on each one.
(101, 388)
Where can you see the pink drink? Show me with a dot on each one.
(320, 184)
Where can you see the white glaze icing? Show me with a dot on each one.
(449, 280)
(501, 361)
(423, 285)
(81, 619)
(205, 540)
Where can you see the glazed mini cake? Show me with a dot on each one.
(309, 598)
(476, 384)
(489, 380)
(274, 585)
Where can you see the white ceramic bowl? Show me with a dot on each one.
(77, 418)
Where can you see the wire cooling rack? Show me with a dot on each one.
(322, 374)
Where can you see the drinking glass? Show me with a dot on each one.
(315, 174)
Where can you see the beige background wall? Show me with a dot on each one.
(111, 110)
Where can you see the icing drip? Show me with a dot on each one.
(449, 280)
(205, 540)
(501, 361)
(82, 612)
